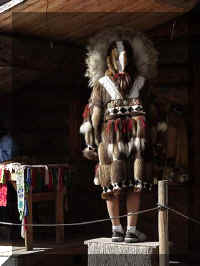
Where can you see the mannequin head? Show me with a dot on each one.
(120, 64)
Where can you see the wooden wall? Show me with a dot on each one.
(195, 128)
(179, 71)
(46, 106)
(46, 113)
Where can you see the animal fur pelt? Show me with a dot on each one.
(90, 154)
(144, 53)
(85, 127)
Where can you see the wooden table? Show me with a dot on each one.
(57, 196)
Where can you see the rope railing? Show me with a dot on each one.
(179, 213)
(81, 223)
(159, 206)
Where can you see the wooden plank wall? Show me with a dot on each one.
(47, 115)
(179, 71)
(44, 105)
(173, 82)
(194, 229)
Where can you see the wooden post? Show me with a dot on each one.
(59, 214)
(29, 230)
(163, 223)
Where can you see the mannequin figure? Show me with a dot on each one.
(119, 63)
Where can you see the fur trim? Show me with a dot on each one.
(110, 150)
(138, 168)
(104, 174)
(137, 86)
(130, 145)
(103, 154)
(123, 148)
(96, 181)
(118, 171)
(145, 55)
(90, 154)
(139, 143)
(85, 127)
(96, 119)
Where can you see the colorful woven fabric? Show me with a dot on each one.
(3, 195)
(20, 191)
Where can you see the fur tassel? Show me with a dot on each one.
(85, 127)
(130, 145)
(96, 181)
(104, 174)
(90, 154)
(110, 150)
(143, 143)
(96, 178)
(139, 143)
(138, 169)
(110, 131)
(103, 154)
(96, 116)
(121, 147)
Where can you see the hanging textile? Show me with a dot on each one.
(3, 195)
(20, 191)
(4, 176)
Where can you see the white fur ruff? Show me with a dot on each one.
(85, 127)
(145, 55)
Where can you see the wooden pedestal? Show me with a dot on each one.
(103, 251)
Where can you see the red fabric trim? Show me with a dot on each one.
(129, 125)
(86, 112)
(96, 168)
(142, 122)
(117, 124)
(124, 126)
(116, 76)
(108, 126)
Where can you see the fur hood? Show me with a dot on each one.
(144, 53)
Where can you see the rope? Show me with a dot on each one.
(183, 215)
(81, 223)
(162, 207)
(159, 207)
